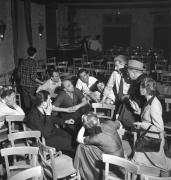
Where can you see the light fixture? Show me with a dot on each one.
(2, 29)
(40, 30)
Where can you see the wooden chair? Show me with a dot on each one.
(104, 111)
(166, 77)
(27, 135)
(97, 63)
(12, 120)
(130, 168)
(51, 63)
(110, 66)
(99, 72)
(56, 165)
(34, 172)
(168, 104)
(13, 151)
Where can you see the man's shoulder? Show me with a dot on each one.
(91, 78)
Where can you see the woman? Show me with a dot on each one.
(40, 118)
(102, 138)
(98, 93)
(151, 115)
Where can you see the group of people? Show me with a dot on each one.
(62, 113)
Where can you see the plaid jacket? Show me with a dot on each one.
(28, 72)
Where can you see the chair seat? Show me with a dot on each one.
(64, 166)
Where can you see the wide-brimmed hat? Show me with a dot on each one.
(137, 65)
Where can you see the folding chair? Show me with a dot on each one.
(35, 172)
(130, 168)
(104, 111)
(13, 151)
(56, 165)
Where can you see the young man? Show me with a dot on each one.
(85, 82)
(51, 84)
(28, 78)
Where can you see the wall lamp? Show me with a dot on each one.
(2, 29)
(40, 30)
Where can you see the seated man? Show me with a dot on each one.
(85, 82)
(71, 97)
(51, 84)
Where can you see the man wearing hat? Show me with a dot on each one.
(127, 115)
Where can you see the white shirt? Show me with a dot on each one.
(5, 110)
(84, 87)
(50, 86)
(114, 80)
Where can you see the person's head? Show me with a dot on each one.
(100, 86)
(135, 69)
(148, 86)
(42, 99)
(120, 62)
(83, 75)
(90, 120)
(54, 74)
(31, 51)
(67, 86)
(8, 94)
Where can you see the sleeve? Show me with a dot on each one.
(43, 87)
(59, 100)
(79, 94)
(79, 85)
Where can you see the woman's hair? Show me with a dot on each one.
(41, 97)
(150, 85)
(6, 91)
(94, 86)
(90, 120)
(121, 59)
(31, 51)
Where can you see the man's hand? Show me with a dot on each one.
(70, 121)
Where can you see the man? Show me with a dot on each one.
(51, 84)
(85, 82)
(118, 82)
(127, 115)
(28, 78)
(70, 97)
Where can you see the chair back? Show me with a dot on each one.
(105, 111)
(12, 119)
(3, 131)
(23, 135)
(13, 151)
(34, 172)
(55, 165)
(129, 167)
(156, 178)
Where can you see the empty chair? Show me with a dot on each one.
(3, 130)
(130, 168)
(51, 63)
(34, 172)
(56, 165)
(13, 120)
(104, 111)
(110, 66)
(18, 151)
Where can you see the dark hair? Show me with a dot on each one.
(41, 97)
(52, 71)
(31, 51)
(6, 91)
(81, 71)
(150, 85)
(94, 88)
(88, 122)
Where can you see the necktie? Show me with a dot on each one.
(120, 93)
